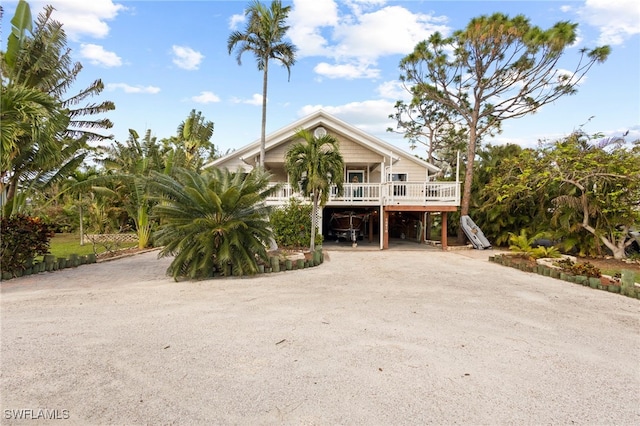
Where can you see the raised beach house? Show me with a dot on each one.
(388, 192)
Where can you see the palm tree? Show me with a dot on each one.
(192, 145)
(24, 112)
(43, 61)
(75, 178)
(263, 36)
(57, 143)
(316, 164)
(131, 164)
(217, 220)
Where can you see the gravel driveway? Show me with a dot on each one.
(367, 338)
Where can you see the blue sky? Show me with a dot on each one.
(161, 59)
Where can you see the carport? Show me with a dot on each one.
(391, 213)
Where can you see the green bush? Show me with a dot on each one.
(521, 244)
(23, 238)
(545, 252)
(291, 225)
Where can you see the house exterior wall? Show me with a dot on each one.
(232, 163)
(277, 154)
(353, 152)
(278, 174)
(414, 172)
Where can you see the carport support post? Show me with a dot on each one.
(443, 234)
(385, 238)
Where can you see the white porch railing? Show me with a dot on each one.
(390, 193)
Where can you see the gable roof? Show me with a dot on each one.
(330, 122)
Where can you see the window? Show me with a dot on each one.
(398, 177)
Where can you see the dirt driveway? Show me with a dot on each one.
(394, 337)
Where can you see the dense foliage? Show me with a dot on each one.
(315, 163)
(45, 131)
(584, 193)
(23, 238)
(214, 221)
(291, 225)
(496, 68)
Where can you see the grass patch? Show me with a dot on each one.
(62, 245)
(613, 272)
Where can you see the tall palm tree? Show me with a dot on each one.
(40, 60)
(263, 36)
(24, 112)
(43, 61)
(213, 221)
(315, 163)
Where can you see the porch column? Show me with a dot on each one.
(385, 235)
(443, 235)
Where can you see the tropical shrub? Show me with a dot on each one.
(521, 244)
(214, 221)
(291, 225)
(541, 252)
(587, 269)
(23, 238)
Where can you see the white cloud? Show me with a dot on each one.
(573, 80)
(235, 21)
(356, 33)
(206, 98)
(133, 89)
(371, 116)
(256, 99)
(360, 6)
(186, 58)
(387, 31)
(82, 17)
(616, 20)
(307, 20)
(98, 56)
(346, 71)
(393, 90)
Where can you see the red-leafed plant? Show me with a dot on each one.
(23, 238)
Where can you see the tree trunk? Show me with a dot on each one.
(314, 215)
(81, 222)
(616, 247)
(263, 130)
(9, 207)
(468, 179)
(11, 188)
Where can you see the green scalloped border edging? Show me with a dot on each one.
(546, 271)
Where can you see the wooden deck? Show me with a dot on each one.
(383, 194)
